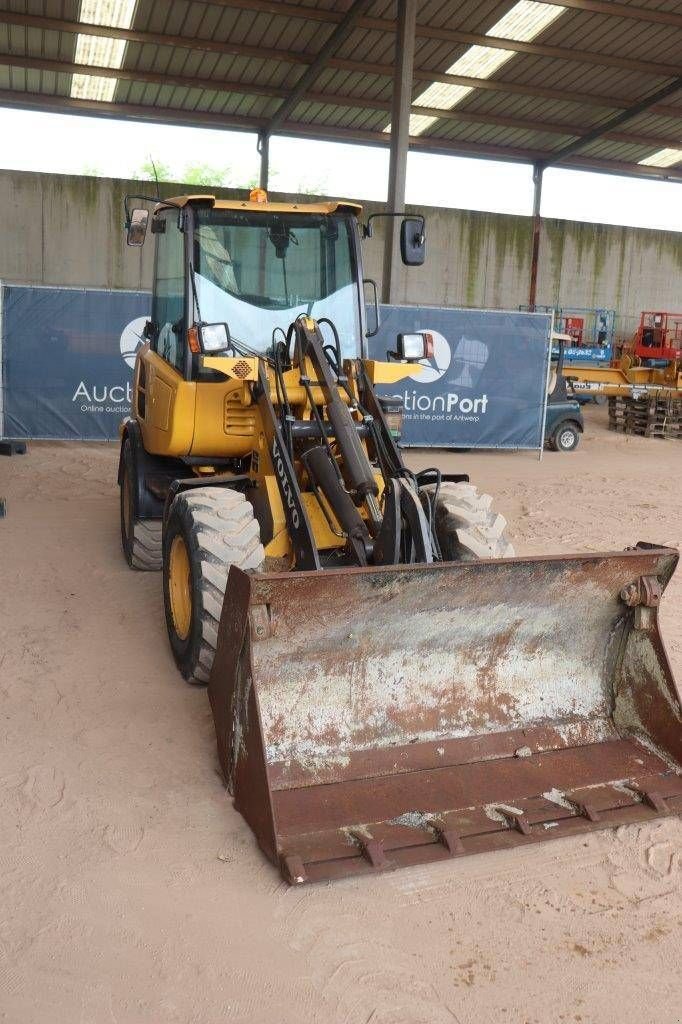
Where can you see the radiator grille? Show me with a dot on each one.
(238, 419)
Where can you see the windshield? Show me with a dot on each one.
(259, 271)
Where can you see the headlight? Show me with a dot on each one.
(214, 337)
(414, 347)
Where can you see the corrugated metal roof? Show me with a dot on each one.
(234, 64)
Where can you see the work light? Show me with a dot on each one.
(414, 347)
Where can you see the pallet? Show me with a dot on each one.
(646, 417)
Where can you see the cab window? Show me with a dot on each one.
(169, 297)
(258, 271)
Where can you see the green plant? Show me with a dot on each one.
(205, 174)
(153, 170)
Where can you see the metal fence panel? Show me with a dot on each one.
(68, 355)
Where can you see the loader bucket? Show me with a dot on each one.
(374, 718)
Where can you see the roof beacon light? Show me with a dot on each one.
(258, 195)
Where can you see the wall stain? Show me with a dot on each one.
(483, 258)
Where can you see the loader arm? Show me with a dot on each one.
(331, 450)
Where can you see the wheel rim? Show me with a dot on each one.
(125, 498)
(179, 587)
(567, 439)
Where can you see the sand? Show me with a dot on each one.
(131, 892)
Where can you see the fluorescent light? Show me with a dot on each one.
(526, 20)
(100, 50)
(663, 158)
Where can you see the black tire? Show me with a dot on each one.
(467, 528)
(140, 538)
(565, 438)
(218, 528)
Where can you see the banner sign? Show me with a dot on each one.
(68, 356)
(485, 386)
(67, 361)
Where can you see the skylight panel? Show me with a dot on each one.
(526, 20)
(100, 50)
(663, 158)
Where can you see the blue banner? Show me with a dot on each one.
(485, 386)
(67, 360)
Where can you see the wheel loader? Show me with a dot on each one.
(389, 684)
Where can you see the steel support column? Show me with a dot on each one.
(400, 138)
(537, 224)
(264, 150)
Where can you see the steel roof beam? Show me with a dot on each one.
(146, 113)
(336, 39)
(236, 122)
(331, 99)
(616, 10)
(614, 122)
(293, 57)
(457, 37)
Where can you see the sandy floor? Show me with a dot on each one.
(131, 891)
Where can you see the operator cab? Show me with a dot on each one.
(232, 276)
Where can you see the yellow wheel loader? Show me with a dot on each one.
(389, 684)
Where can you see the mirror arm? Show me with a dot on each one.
(146, 199)
(368, 230)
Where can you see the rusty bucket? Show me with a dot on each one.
(369, 719)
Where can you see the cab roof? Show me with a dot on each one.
(331, 206)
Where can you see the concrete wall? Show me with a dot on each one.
(62, 230)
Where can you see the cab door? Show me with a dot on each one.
(164, 399)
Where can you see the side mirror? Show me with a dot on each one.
(214, 337)
(149, 331)
(411, 348)
(137, 226)
(412, 241)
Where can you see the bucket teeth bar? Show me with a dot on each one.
(655, 800)
(448, 837)
(374, 718)
(476, 830)
(372, 850)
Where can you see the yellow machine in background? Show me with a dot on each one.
(649, 364)
(625, 380)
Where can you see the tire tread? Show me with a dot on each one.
(224, 532)
(467, 525)
(147, 545)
